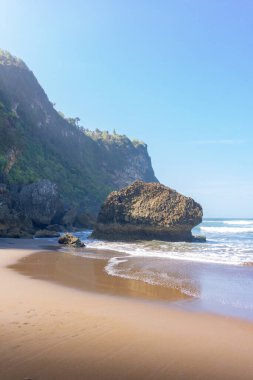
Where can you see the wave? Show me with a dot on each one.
(227, 244)
(238, 222)
(211, 221)
(148, 276)
(230, 230)
(212, 253)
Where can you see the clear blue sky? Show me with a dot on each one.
(176, 74)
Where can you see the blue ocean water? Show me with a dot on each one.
(229, 241)
(217, 275)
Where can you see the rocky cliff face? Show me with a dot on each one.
(37, 209)
(147, 211)
(12, 221)
(39, 202)
(37, 143)
(125, 160)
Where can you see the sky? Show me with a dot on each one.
(175, 74)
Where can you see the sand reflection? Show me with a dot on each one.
(87, 273)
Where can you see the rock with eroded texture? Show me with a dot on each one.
(147, 211)
(71, 241)
(39, 201)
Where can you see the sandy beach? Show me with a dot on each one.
(54, 328)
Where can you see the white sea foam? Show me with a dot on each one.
(162, 279)
(238, 222)
(215, 253)
(227, 244)
(212, 221)
(229, 230)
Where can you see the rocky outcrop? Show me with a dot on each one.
(124, 160)
(147, 211)
(37, 209)
(12, 222)
(39, 201)
(71, 241)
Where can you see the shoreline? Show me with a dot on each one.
(88, 274)
(50, 331)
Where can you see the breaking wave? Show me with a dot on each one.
(228, 230)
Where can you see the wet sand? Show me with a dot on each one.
(50, 331)
(89, 274)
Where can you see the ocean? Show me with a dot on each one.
(217, 275)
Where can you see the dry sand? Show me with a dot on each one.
(49, 331)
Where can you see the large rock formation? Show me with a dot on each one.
(39, 201)
(147, 211)
(37, 207)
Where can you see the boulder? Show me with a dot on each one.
(39, 201)
(147, 211)
(71, 241)
(46, 234)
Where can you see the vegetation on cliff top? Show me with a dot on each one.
(7, 59)
(107, 138)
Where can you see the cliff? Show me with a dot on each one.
(37, 142)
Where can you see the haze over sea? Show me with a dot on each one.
(217, 275)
